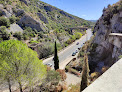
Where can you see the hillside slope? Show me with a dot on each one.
(38, 25)
(103, 53)
(46, 17)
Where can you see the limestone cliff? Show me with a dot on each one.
(102, 52)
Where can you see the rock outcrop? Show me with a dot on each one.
(28, 21)
(43, 18)
(104, 53)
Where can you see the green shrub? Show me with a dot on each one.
(32, 41)
(2, 29)
(40, 35)
(18, 35)
(5, 34)
(14, 10)
(71, 70)
(1, 13)
(73, 38)
(25, 37)
(46, 50)
(65, 44)
(17, 19)
(1, 39)
(29, 32)
(59, 47)
(78, 35)
(12, 19)
(120, 56)
(4, 22)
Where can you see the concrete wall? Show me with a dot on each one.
(116, 39)
(110, 81)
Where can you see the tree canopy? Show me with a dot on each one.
(56, 60)
(19, 63)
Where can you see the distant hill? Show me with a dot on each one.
(92, 20)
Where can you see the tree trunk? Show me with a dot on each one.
(20, 86)
(9, 84)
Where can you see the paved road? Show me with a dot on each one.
(67, 52)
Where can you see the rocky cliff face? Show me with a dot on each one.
(102, 52)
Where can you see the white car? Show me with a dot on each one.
(49, 64)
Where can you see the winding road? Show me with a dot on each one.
(66, 55)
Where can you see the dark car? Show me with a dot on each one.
(79, 48)
(77, 43)
(74, 53)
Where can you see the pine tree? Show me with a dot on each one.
(19, 63)
(56, 60)
(85, 74)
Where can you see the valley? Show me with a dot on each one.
(45, 49)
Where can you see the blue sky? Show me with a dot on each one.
(87, 9)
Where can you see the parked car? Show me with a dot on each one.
(77, 43)
(79, 48)
(74, 53)
(49, 64)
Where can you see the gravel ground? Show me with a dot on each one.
(72, 79)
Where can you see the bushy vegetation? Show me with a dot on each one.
(85, 74)
(120, 56)
(52, 79)
(4, 22)
(32, 41)
(74, 88)
(18, 35)
(71, 70)
(4, 34)
(74, 37)
(29, 32)
(46, 50)
(12, 19)
(111, 11)
(19, 63)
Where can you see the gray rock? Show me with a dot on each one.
(106, 52)
(5, 13)
(2, 12)
(28, 21)
(25, 1)
(49, 8)
(44, 19)
(9, 9)
(20, 12)
(65, 14)
(1, 6)
(15, 28)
